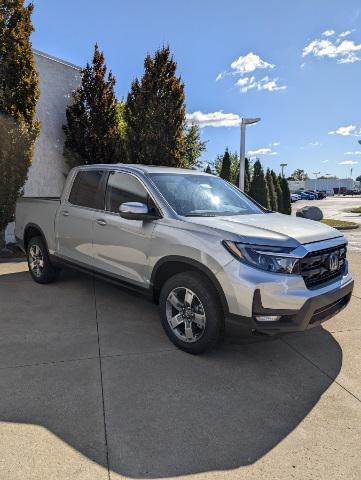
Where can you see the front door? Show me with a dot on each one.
(121, 247)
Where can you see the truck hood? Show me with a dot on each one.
(270, 228)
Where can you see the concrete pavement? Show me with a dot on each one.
(91, 388)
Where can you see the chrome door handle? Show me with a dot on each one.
(101, 222)
(65, 213)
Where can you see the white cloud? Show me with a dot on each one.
(261, 151)
(265, 83)
(249, 63)
(328, 33)
(275, 144)
(348, 162)
(324, 161)
(353, 153)
(344, 52)
(315, 143)
(346, 131)
(214, 119)
(345, 34)
(220, 76)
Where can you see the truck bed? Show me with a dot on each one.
(40, 211)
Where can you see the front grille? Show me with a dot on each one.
(316, 266)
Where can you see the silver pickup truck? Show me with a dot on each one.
(203, 250)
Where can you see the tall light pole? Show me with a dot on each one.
(316, 175)
(242, 155)
(283, 165)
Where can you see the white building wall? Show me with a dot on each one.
(323, 184)
(57, 81)
(46, 177)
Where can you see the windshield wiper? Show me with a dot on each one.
(200, 215)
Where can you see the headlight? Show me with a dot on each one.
(271, 259)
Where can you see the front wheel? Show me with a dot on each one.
(40, 266)
(191, 313)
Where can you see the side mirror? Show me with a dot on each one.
(134, 211)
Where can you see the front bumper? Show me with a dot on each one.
(315, 311)
(252, 293)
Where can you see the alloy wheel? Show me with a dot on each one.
(36, 260)
(185, 314)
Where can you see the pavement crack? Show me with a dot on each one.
(101, 380)
(51, 363)
(320, 369)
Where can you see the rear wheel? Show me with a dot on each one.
(191, 312)
(40, 266)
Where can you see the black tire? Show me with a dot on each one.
(210, 305)
(48, 273)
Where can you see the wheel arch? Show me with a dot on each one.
(30, 231)
(171, 265)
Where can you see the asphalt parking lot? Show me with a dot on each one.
(91, 388)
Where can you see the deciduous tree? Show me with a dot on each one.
(19, 92)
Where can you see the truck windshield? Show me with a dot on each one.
(193, 195)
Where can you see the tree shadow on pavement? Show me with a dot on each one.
(166, 413)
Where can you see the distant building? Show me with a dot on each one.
(57, 79)
(325, 184)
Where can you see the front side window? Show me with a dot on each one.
(195, 195)
(85, 188)
(122, 188)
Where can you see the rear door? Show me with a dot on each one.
(74, 224)
(121, 247)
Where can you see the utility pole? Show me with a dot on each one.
(283, 165)
(242, 152)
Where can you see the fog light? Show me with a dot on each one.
(268, 318)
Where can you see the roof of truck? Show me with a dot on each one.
(146, 168)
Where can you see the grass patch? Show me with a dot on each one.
(355, 210)
(340, 224)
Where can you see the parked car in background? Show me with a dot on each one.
(316, 194)
(305, 195)
(196, 245)
(294, 197)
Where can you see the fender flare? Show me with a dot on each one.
(196, 265)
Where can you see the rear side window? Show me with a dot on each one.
(123, 188)
(85, 188)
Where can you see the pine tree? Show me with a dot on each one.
(259, 189)
(278, 191)
(208, 169)
(19, 92)
(92, 129)
(273, 204)
(225, 172)
(155, 113)
(193, 147)
(286, 197)
(247, 176)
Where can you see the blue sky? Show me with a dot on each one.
(297, 65)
